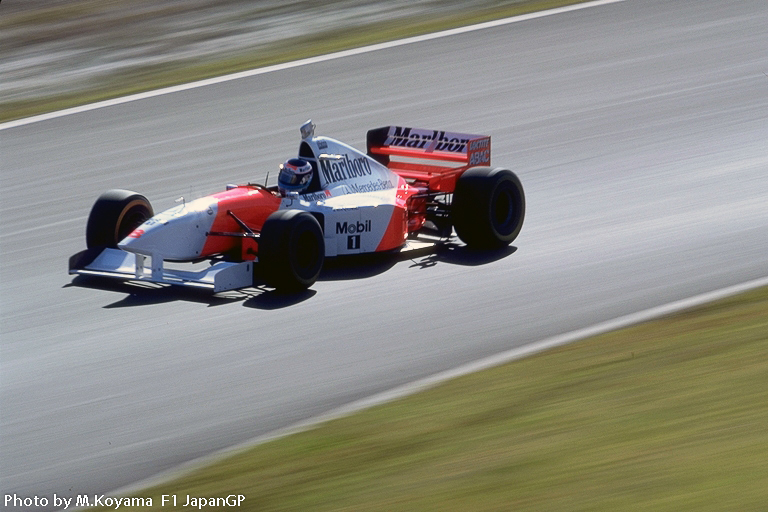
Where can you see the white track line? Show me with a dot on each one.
(303, 62)
(441, 377)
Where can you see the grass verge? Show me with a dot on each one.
(151, 77)
(666, 415)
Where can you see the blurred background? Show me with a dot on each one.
(62, 52)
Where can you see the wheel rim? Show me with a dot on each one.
(131, 221)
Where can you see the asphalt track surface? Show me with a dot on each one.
(638, 130)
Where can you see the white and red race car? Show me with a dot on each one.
(410, 182)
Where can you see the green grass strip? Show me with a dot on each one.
(667, 415)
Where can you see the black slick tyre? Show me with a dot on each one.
(488, 207)
(291, 250)
(114, 215)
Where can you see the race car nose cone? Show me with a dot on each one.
(175, 234)
(131, 240)
(139, 241)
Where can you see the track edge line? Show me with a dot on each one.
(298, 63)
(444, 376)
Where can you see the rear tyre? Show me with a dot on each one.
(291, 250)
(114, 215)
(488, 207)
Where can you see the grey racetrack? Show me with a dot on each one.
(639, 130)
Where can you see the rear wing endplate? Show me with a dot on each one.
(448, 153)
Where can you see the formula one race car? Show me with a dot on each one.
(331, 200)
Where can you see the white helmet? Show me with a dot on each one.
(295, 175)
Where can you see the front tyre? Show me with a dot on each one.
(291, 250)
(488, 207)
(114, 215)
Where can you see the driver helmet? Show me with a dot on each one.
(295, 175)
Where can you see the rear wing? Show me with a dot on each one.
(448, 153)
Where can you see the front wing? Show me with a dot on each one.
(116, 263)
